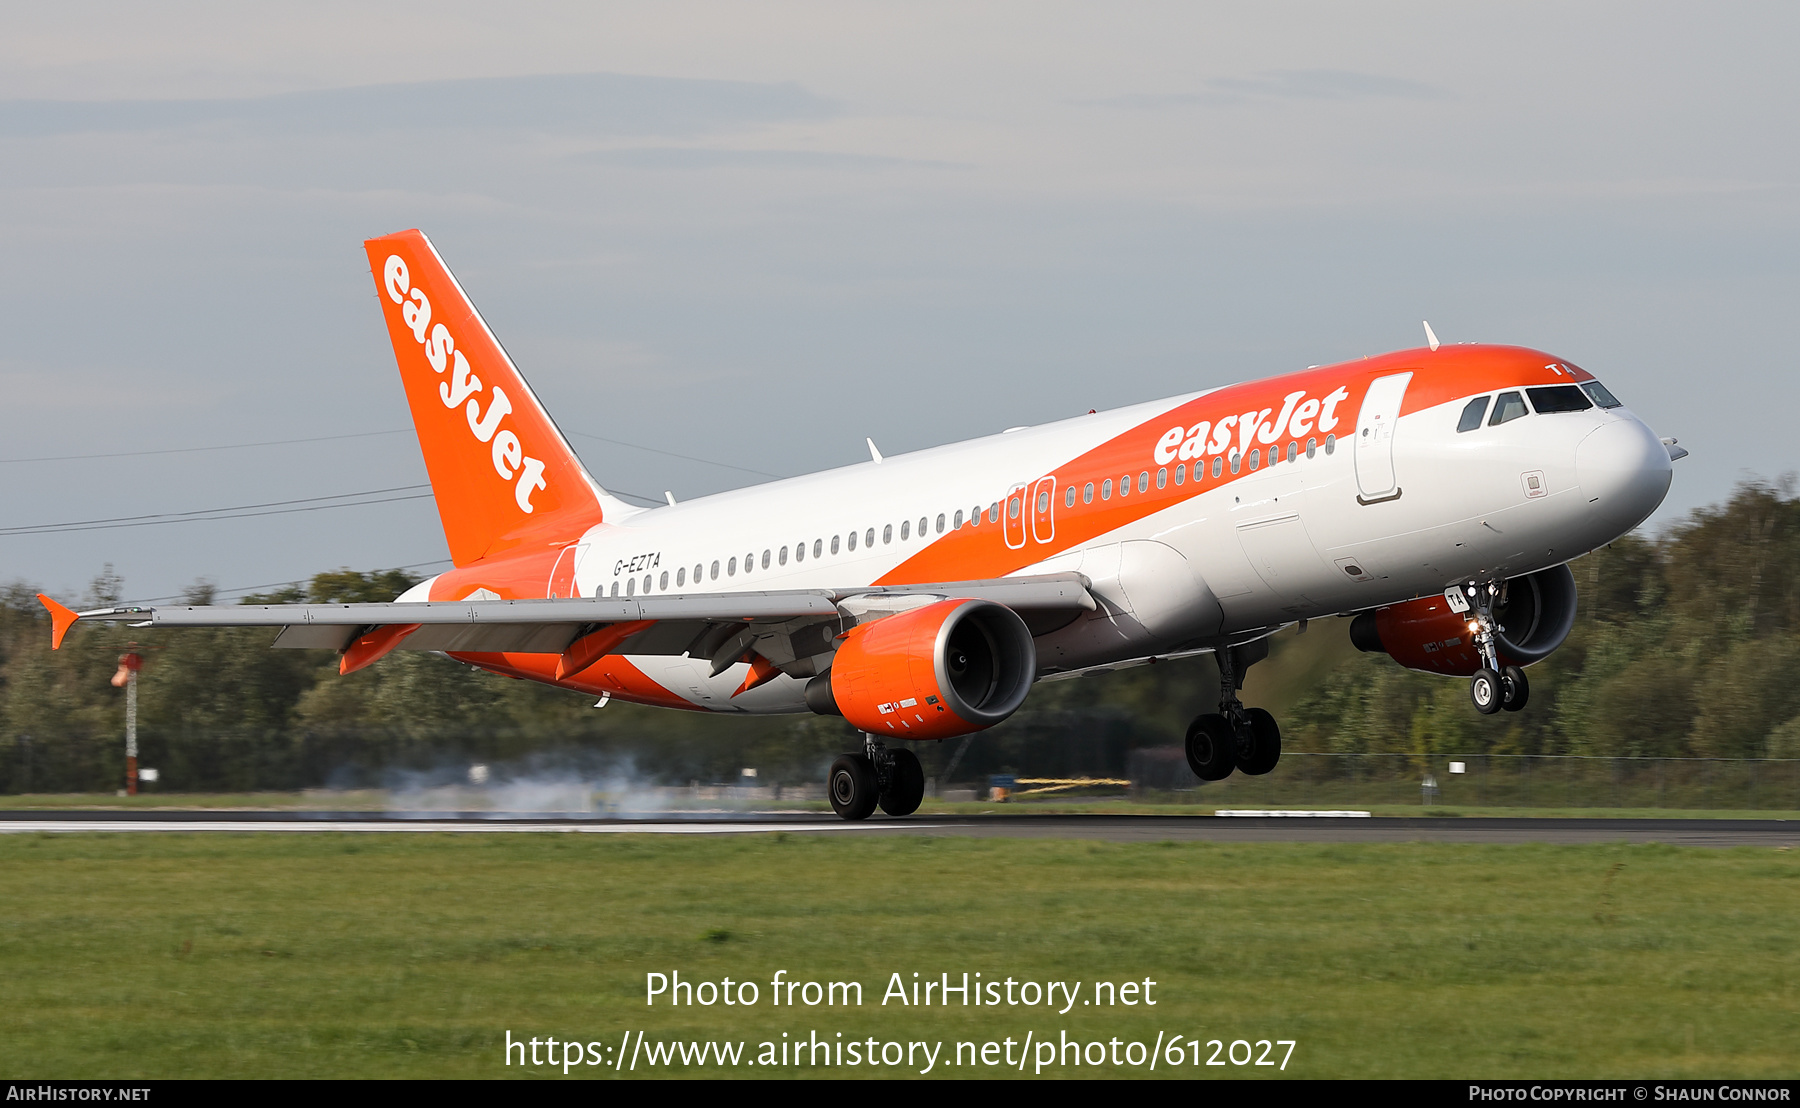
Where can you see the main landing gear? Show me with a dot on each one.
(1234, 737)
(891, 778)
(1494, 687)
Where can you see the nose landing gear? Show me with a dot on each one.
(891, 778)
(1234, 737)
(1493, 687)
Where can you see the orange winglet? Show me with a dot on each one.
(588, 649)
(762, 671)
(374, 646)
(61, 619)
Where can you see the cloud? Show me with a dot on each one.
(1284, 84)
(586, 103)
(694, 158)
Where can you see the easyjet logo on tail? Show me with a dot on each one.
(461, 388)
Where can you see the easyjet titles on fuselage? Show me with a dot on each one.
(1298, 416)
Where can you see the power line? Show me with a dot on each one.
(361, 435)
(241, 511)
(683, 457)
(198, 449)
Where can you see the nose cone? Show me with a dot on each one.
(1624, 471)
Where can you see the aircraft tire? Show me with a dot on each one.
(1516, 689)
(1485, 691)
(1265, 743)
(1211, 747)
(852, 786)
(907, 788)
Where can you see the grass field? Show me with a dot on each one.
(412, 955)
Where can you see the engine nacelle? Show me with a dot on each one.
(936, 672)
(1425, 634)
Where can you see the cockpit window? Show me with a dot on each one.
(1509, 405)
(1600, 394)
(1559, 398)
(1472, 413)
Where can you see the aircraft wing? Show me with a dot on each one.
(669, 624)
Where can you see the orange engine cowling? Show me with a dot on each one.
(1534, 618)
(936, 672)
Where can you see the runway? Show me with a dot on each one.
(1107, 828)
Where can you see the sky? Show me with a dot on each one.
(728, 241)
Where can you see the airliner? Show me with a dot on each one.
(1433, 495)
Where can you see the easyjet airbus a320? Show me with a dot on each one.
(1437, 493)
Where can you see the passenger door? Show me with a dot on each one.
(1375, 479)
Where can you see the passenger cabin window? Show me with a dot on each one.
(781, 557)
(1181, 473)
(959, 519)
(1144, 481)
(887, 535)
(940, 522)
(1218, 465)
(663, 581)
(1559, 398)
(1600, 395)
(799, 552)
(994, 512)
(1473, 411)
(906, 529)
(818, 547)
(1509, 406)
(869, 537)
(1087, 493)
(834, 544)
(852, 542)
(1069, 497)
(715, 570)
(681, 577)
(1106, 489)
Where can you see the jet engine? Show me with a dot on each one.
(935, 672)
(1534, 617)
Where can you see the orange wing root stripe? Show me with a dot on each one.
(588, 649)
(61, 619)
(762, 671)
(374, 646)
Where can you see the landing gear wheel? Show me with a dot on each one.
(1211, 747)
(852, 786)
(1265, 743)
(1485, 691)
(906, 786)
(1515, 690)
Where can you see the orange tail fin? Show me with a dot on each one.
(501, 470)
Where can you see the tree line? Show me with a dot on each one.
(1687, 644)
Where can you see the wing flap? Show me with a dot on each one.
(549, 626)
